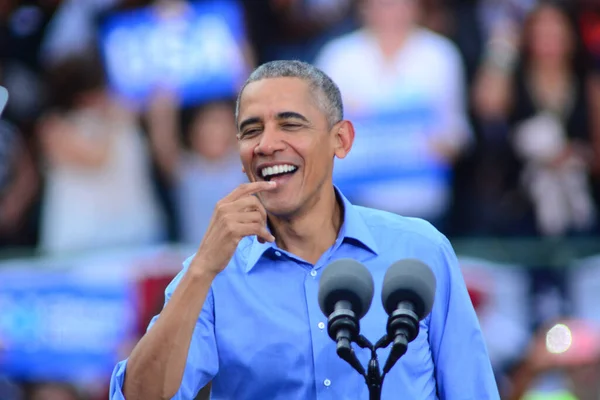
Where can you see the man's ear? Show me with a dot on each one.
(343, 135)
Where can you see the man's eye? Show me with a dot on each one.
(292, 126)
(250, 132)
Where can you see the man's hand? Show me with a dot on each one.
(237, 215)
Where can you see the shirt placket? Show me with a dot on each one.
(319, 337)
(318, 326)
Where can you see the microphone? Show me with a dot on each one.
(345, 295)
(407, 295)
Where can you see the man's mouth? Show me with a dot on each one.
(275, 171)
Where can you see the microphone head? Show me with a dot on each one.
(409, 280)
(348, 280)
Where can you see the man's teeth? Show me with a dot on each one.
(277, 169)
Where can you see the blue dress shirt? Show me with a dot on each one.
(261, 333)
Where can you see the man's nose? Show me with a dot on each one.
(271, 141)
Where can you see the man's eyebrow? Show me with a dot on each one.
(292, 115)
(249, 121)
(280, 116)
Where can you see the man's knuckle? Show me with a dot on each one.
(228, 224)
(220, 206)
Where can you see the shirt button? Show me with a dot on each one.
(313, 273)
(327, 382)
(278, 254)
(321, 325)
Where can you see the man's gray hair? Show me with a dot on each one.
(328, 95)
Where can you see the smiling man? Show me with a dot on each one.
(243, 313)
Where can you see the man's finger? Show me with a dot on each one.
(253, 216)
(251, 188)
(255, 228)
(252, 203)
(265, 235)
(258, 210)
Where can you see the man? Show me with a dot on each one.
(244, 313)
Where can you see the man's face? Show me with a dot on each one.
(284, 136)
(389, 15)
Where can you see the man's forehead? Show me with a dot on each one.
(275, 91)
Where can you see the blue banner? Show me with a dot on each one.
(195, 51)
(60, 325)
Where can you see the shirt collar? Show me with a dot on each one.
(353, 227)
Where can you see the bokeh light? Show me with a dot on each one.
(558, 339)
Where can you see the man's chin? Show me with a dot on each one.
(279, 208)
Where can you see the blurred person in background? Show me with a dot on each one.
(505, 335)
(562, 362)
(199, 158)
(393, 68)
(295, 29)
(22, 27)
(538, 107)
(193, 141)
(98, 190)
(473, 25)
(73, 28)
(19, 185)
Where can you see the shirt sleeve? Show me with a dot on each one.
(463, 368)
(202, 361)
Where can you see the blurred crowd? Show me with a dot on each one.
(500, 101)
(509, 148)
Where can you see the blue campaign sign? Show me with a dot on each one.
(391, 147)
(56, 325)
(195, 50)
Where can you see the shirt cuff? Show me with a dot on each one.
(116, 381)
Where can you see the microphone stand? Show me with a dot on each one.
(344, 330)
(373, 378)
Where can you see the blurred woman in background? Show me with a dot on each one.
(99, 191)
(548, 105)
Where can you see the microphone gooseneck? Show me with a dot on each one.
(343, 328)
